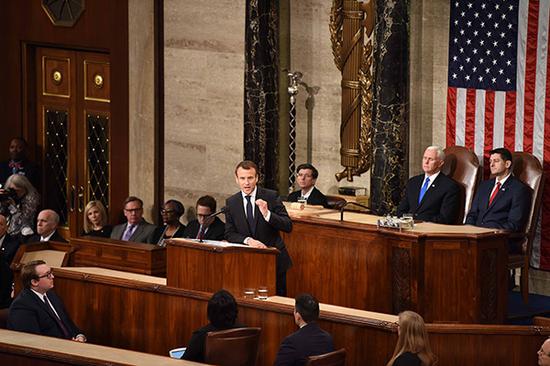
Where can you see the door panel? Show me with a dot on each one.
(73, 129)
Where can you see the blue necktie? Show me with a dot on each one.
(249, 214)
(423, 190)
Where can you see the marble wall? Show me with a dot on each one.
(204, 71)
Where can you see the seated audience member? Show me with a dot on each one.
(8, 248)
(431, 196)
(309, 340)
(37, 309)
(502, 202)
(22, 207)
(95, 220)
(205, 227)
(413, 345)
(222, 314)
(544, 353)
(306, 177)
(136, 229)
(18, 163)
(172, 228)
(46, 227)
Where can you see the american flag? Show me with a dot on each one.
(498, 86)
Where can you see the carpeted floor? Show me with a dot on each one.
(522, 314)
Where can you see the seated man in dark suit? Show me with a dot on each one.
(255, 215)
(8, 248)
(431, 196)
(136, 229)
(37, 309)
(309, 340)
(46, 227)
(502, 202)
(306, 177)
(222, 314)
(205, 227)
(18, 163)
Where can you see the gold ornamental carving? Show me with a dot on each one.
(57, 77)
(351, 33)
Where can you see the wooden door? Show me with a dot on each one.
(73, 129)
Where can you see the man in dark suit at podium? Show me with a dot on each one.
(254, 216)
(37, 309)
(306, 177)
(205, 227)
(431, 196)
(502, 202)
(8, 248)
(309, 340)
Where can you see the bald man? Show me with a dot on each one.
(46, 227)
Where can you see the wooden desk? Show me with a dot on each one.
(118, 254)
(212, 265)
(18, 348)
(138, 312)
(446, 273)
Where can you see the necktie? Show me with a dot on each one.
(128, 232)
(56, 317)
(249, 214)
(494, 194)
(424, 189)
(200, 234)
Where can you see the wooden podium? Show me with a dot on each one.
(212, 265)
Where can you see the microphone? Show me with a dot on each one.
(222, 210)
(350, 203)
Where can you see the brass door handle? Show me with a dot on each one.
(73, 199)
(80, 199)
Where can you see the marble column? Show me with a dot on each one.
(261, 87)
(391, 105)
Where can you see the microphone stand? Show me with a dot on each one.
(222, 210)
(350, 203)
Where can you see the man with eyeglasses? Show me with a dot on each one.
(39, 310)
(544, 353)
(205, 227)
(136, 229)
(306, 178)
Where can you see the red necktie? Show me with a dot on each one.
(494, 193)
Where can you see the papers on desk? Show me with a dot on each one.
(221, 244)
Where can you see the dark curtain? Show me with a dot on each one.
(261, 88)
(391, 105)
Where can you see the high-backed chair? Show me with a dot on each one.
(528, 169)
(336, 358)
(233, 347)
(462, 165)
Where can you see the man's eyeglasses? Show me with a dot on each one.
(541, 351)
(302, 175)
(164, 212)
(48, 274)
(133, 209)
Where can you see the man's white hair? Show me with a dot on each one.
(438, 150)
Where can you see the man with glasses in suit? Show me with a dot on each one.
(37, 309)
(136, 229)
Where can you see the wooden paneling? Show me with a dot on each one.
(151, 318)
(444, 277)
(120, 255)
(210, 267)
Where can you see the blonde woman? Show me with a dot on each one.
(23, 207)
(413, 346)
(95, 220)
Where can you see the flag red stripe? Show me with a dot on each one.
(470, 125)
(451, 117)
(489, 127)
(510, 121)
(530, 76)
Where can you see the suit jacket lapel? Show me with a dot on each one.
(138, 231)
(243, 222)
(430, 189)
